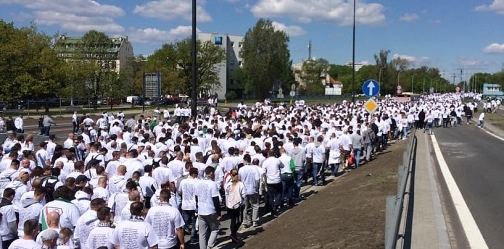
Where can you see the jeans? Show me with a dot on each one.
(335, 168)
(384, 141)
(189, 217)
(481, 123)
(274, 194)
(429, 127)
(287, 187)
(315, 170)
(208, 227)
(369, 151)
(236, 216)
(404, 132)
(252, 201)
(357, 155)
(46, 130)
(298, 182)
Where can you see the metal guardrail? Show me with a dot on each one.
(395, 204)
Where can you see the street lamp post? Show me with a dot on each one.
(379, 79)
(353, 54)
(194, 102)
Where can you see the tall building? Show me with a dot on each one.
(232, 44)
(117, 54)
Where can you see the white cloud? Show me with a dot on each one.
(497, 6)
(470, 63)
(74, 22)
(290, 30)
(171, 9)
(436, 21)
(152, 35)
(409, 17)
(73, 15)
(339, 12)
(494, 48)
(417, 61)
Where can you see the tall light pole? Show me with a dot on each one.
(353, 54)
(379, 79)
(194, 98)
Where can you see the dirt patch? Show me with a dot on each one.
(347, 213)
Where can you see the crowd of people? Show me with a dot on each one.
(146, 182)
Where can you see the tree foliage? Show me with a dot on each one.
(313, 71)
(174, 62)
(266, 58)
(29, 68)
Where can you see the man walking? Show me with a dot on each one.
(209, 209)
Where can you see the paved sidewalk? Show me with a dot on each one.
(429, 227)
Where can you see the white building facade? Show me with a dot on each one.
(232, 44)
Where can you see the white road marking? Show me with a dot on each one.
(492, 134)
(472, 232)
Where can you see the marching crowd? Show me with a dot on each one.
(145, 182)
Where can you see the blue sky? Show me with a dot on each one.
(447, 34)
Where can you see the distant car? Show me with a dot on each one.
(111, 101)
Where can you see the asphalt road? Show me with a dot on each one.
(475, 161)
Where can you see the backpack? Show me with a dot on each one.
(88, 164)
(394, 124)
(207, 155)
(155, 163)
(49, 183)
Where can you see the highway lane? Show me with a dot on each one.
(476, 160)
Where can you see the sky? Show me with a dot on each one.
(445, 34)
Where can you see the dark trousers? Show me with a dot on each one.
(189, 217)
(236, 216)
(274, 194)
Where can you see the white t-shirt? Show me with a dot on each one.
(250, 176)
(188, 189)
(133, 234)
(206, 190)
(69, 213)
(164, 220)
(100, 236)
(28, 212)
(116, 203)
(8, 215)
(85, 224)
(24, 244)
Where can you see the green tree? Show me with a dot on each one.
(173, 60)
(29, 68)
(266, 58)
(242, 80)
(313, 71)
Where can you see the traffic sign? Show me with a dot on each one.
(371, 88)
(370, 106)
(292, 93)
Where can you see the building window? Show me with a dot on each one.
(218, 40)
(240, 63)
(231, 62)
(240, 44)
(232, 44)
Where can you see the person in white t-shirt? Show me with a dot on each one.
(167, 222)
(27, 241)
(87, 222)
(250, 176)
(69, 212)
(100, 235)
(187, 190)
(209, 210)
(134, 232)
(31, 209)
(8, 227)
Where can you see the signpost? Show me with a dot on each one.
(371, 88)
(370, 106)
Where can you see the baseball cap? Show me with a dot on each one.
(81, 178)
(49, 234)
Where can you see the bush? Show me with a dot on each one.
(231, 95)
